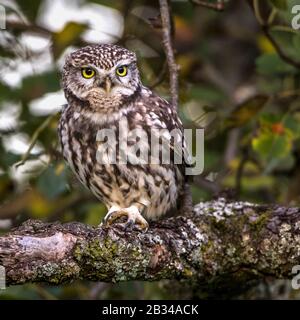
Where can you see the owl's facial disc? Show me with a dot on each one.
(120, 81)
(101, 75)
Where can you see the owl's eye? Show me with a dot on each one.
(121, 71)
(87, 73)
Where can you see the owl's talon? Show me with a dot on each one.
(141, 225)
(113, 216)
(135, 221)
(129, 225)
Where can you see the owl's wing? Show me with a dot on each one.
(162, 115)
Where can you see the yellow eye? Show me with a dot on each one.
(87, 73)
(121, 71)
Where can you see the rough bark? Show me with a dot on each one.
(219, 242)
(166, 19)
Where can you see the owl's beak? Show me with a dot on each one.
(107, 85)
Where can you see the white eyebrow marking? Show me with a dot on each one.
(123, 62)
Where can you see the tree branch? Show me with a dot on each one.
(283, 55)
(265, 26)
(216, 243)
(167, 41)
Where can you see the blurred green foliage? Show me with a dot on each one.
(239, 80)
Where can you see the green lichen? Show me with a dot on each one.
(187, 272)
(106, 259)
(258, 223)
(56, 273)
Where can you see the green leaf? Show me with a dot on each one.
(208, 94)
(269, 118)
(280, 4)
(271, 64)
(271, 146)
(7, 94)
(287, 40)
(283, 164)
(67, 36)
(293, 125)
(8, 158)
(30, 9)
(296, 43)
(289, 123)
(246, 111)
(37, 85)
(52, 183)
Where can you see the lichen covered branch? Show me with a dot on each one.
(217, 241)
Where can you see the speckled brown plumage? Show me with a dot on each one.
(143, 190)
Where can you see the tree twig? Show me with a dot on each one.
(283, 55)
(266, 30)
(167, 42)
(34, 138)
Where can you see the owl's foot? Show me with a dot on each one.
(134, 219)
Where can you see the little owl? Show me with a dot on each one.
(103, 88)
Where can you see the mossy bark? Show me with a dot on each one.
(219, 244)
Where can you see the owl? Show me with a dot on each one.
(103, 89)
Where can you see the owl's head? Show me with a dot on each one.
(101, 74)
